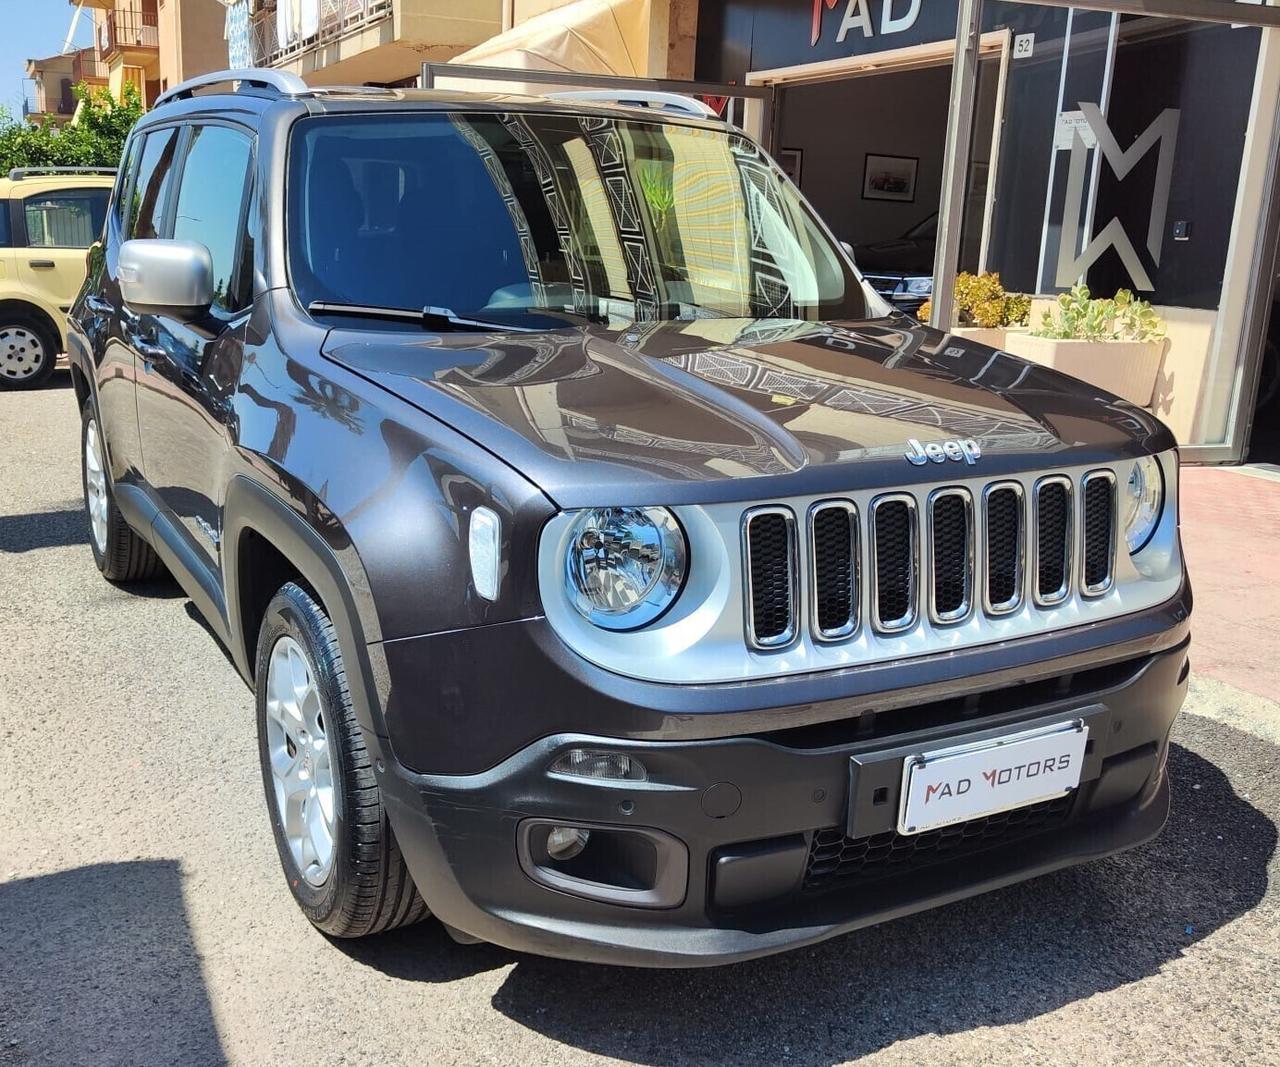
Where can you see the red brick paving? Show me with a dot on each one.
(1231, 538)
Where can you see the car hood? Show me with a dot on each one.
(736, 409)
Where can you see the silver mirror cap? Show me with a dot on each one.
(166, 277)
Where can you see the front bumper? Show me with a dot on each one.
(746, 811)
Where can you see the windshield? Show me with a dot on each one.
(521, 213)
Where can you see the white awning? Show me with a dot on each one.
(582, 37)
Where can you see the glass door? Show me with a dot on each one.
(1123, 204)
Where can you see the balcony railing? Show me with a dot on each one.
(128, 31)
(337, 19)
(87, 67)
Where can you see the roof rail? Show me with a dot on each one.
(18, 173)
(644, 98)
(282, 81)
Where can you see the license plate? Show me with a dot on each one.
(969, 781)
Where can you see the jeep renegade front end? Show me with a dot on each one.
(619, 578)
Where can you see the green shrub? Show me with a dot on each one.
(982, 301)
(95, 139)
(1085, 318)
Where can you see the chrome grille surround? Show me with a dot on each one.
(792, 576)
(908, 619)
(850, 625)
(704, 637)
(1048, 554)
(1010, 604)
(937, 614)
(1108, 478)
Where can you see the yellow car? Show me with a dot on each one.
(48, 217)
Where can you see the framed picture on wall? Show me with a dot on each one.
(790, 160)
(889, 178)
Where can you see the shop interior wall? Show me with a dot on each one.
(837, 123)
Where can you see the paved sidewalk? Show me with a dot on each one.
(1231, 536)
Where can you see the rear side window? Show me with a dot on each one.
(210, 206)
(150, 191)
(68, 219)
(127, 167)
(6, 238)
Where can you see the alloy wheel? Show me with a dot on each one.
(95, 486)
(22, 353)
(301, 766)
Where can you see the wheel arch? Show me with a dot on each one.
(28, 311)
(266, 543)
(80, 385)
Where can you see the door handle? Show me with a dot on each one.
(149, 351)
(99, 306)
(41, 264)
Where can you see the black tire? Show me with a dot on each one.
(125, 556)
(368, 888)
(24, 341)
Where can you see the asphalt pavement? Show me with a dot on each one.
(143, 918)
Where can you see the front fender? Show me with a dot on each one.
(327, 563)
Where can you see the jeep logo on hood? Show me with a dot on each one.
(963, 448)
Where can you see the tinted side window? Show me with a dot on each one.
(70, 219)
(150, 191)
(5, 237)
(211, 202)
(128, 166)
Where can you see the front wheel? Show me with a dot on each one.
(336, 846)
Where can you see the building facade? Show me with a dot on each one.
(360, 42)
(151, 44)
(191, 39)
(53, 100)
(1126, 151)
(385, 42)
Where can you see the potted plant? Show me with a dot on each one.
(984, 311)
(1116, 344)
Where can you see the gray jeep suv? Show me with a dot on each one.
(618, 577)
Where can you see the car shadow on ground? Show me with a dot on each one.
(98, 966)
(59, 379)
(44, 529)
(996, 959)
(65, 526)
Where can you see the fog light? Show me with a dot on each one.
(609, 766)
(565, 842)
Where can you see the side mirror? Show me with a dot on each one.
(173, 278)
(848, 248)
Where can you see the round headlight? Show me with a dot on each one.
(1141, 502)
(625, 566)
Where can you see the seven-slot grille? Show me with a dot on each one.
(967, 547)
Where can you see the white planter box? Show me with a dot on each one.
(1126, 368)
(984, 335)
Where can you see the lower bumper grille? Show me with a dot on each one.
(836, 861)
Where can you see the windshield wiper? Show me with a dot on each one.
(436, 318)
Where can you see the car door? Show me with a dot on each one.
(138, 211)
(186, 369)
(59, 225)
